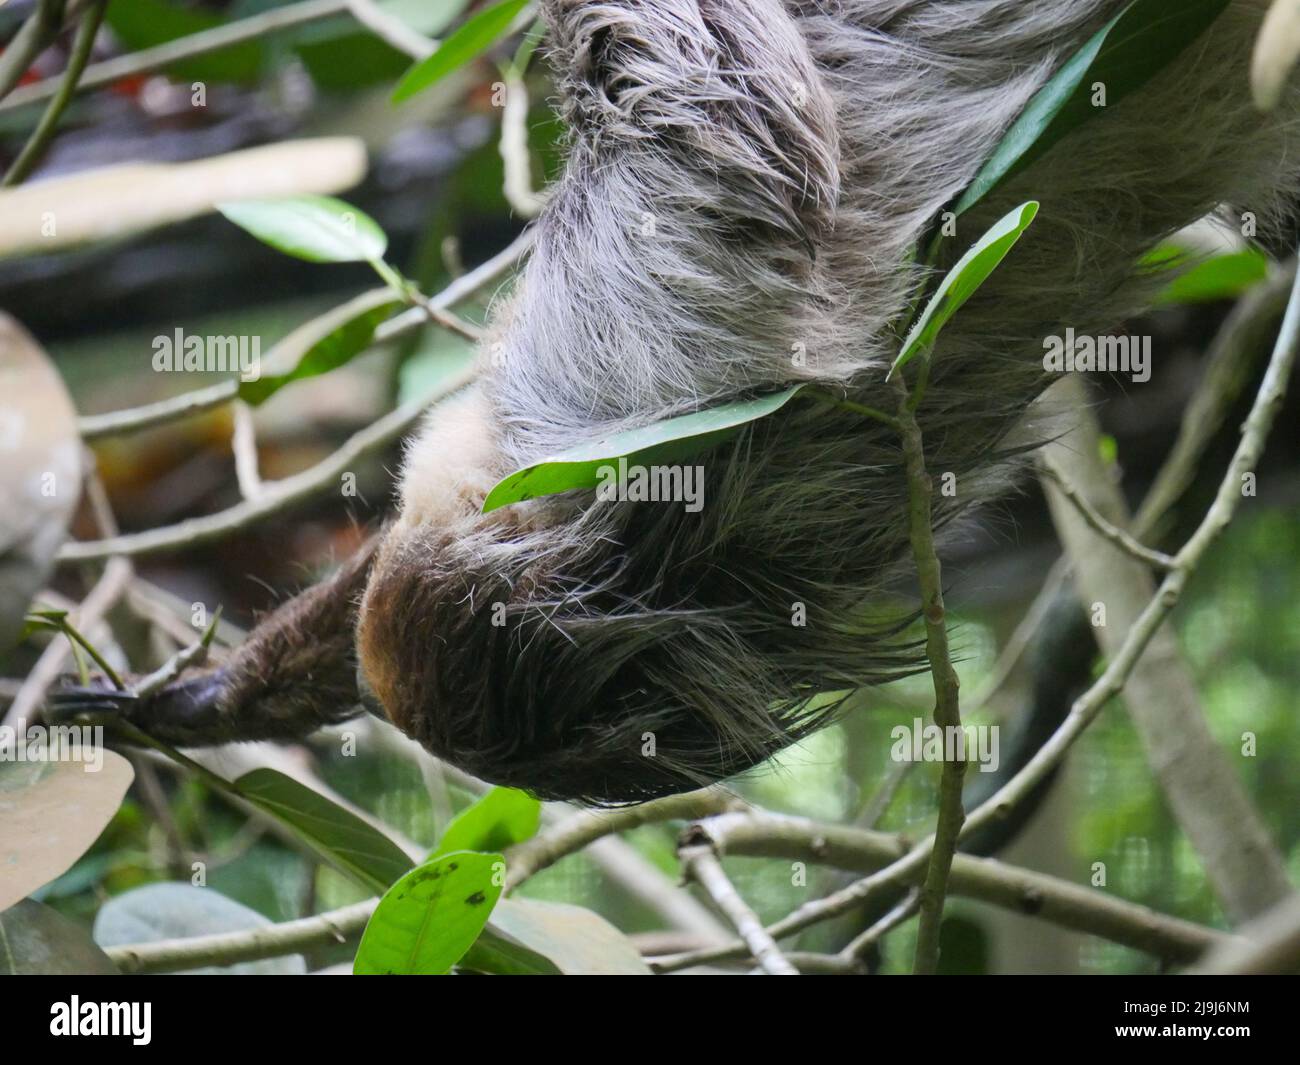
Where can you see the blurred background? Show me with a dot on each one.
(433, 177)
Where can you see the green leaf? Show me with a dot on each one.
(501, 954)
(340, 57)
(1224, 277)
(500, 819)
(970, 271)
(139, 24)
(338, 835)
(319, 229)
(473, 38)
(1124, 55)
(660, 443)
(572, 940)
(426, 921)
(323, 344)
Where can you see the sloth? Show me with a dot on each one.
(746, 186)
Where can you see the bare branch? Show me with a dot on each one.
(226, 948)
(518, 186)
(760, 834)
(276, 495)
(391, 30)
(701, 865)
(163, 55)
(1204, 790)
(1268, 945)
(244, 444)
(95, 426)
(1051, 469)
(44, 132)
(32, 38)
(527, 859)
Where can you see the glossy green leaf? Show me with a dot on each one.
(1223, 277)
(321, 345)
(970, 271)
(500, 819)
(426, 921)
(338, 835)
(472, 39)
(663, 442)
(1123, 55)
(319, 229)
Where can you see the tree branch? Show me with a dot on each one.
(947, 712)
(92, 427)
(226, 948)
(1051, 469)
(44, 132)
(32, 38)
(527, 859)
(700, 864)
(1204, 791)
(195, 44)
(760, 834)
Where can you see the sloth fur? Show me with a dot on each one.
(746, 183)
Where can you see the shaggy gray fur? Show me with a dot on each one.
(789, 157)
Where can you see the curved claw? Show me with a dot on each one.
(68, 703)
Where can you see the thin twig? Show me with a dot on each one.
(453, 323)
(1204, 791)
(32, 38)
(110, 587)
(276, 496)
(906, 909)
(93, 427)
(243, 443)
(391, 30)
(195, 44)
(760, 834)
(1106, 529)
(527, 859)
(226, 948)
(518, 183)
(947, 712)
(700, 864)
(44, 132)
